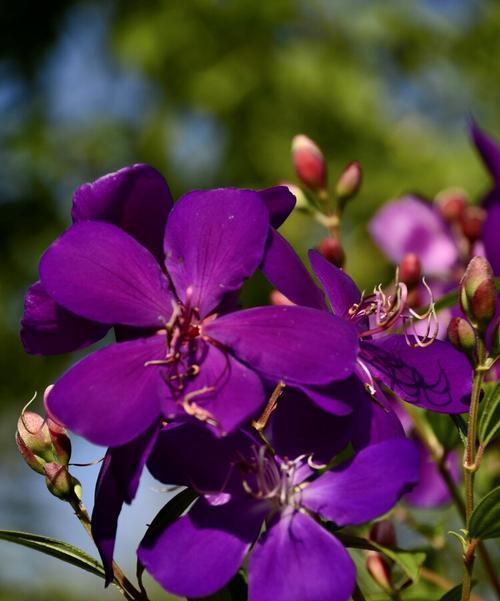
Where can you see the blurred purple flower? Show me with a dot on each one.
(244, 486)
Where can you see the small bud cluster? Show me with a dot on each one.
(466, 219)
(46, 448)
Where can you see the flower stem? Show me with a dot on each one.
(122, 582)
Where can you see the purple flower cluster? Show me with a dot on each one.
(191, 371)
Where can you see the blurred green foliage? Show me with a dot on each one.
(211, 93)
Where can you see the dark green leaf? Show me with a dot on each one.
(454, 594)
(485, 519)
(166, 516)
(489, 422)
(55, 548)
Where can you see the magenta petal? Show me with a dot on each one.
(431, 490)
(366, 486)
(340, 289)
(214, 240)
(286, 272)
(491, 237)
(487, 148)
(280, 202)
(99, 272)
(117, 484)
(298, 560)
(136, 199)
(437, 377)
(110, 397)
(226, 389)
(200, 552)
(410, 225)
(338, 398)
(295, 344)
(49, 329)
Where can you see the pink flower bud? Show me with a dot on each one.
(379, 570)
(278, 298)
(410, 270)
(472, 223)
(33, 440)
(309, 162)
(383, 533)
(451, 203)
(349, 181)
(461, 334)
(332, 250)
(477, 292)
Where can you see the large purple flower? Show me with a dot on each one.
(187, 360)
(244, 485)
(489, 151)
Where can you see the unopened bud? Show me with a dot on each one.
(477, 292)
(60, 441)
(332, 250)
(495, 340)
(383, 533)
(410, 270)
(278, 298)
(451, 203)
(301, 201)
(309, 162)
(379, 570)
(33, 440)
(472, 223)
(461, 334)
(349, 181)
(59, 481)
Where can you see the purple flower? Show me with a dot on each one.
(489, 151)
(187, 360)
(244, 486)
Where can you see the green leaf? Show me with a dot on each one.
(55, 548)
(408, 561)
(489, 422)
(166, 516)
(454, 594)
(485, 519)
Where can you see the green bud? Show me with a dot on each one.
(461, 334)
(60, 441)
(477, 292)
(495, 341)
(349, 181)
(60, 482)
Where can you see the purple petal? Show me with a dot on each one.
(99, 272)
(49, 329)
(410, 225)
(111, 397)
(286, 272)
(214, 240)
(300, 428)
(365, 487)
(487, 148)
(135, 198)
(295, 344)
(491, 237)
(117, 483)
(280, 202)
(298, 560)
(437, 377)
(340, 289)
(200, 552)
(338, 398)
(207, 466)
(431, 490)
(225, 390)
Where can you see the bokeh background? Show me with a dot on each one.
(211, 93)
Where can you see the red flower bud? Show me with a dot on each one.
(379, 569)
(309, 162)
(461, 334)
(452, 203)
(410, 270)
(472, 223)
(478, 293)
(349, 181)
(332, 250)
(383, 533)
